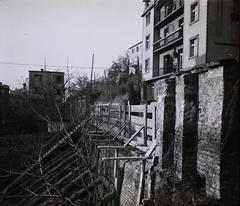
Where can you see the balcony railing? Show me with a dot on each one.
(169, 10)
(173, 37)
(162, 71)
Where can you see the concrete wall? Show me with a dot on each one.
(209, 128)
(179, 126)
(198, 120)
(161, 88)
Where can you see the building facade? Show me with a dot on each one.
(46, 82)
(135, 58)
(46, 90)
(181, 35)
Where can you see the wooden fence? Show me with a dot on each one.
(134, 123)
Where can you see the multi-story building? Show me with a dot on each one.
(46, 82)
(135, 57)
(46, 91)
(180, 35)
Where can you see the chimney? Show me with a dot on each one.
(146, 2)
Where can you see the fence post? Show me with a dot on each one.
(120, 116)
(101, 110)
(129, 118)
(109, 115)
(145, 125)
(154, 123)
(141, 183)
(124, 119)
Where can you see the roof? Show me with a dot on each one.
(135, 45)
(45, 71)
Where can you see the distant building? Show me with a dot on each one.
(46, 82)
(135, 57)
(46, 90)
(182, 35)
(4, 102)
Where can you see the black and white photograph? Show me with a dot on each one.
(119, 102)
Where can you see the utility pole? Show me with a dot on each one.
(68, 73)
(91, 74)
(45, 66)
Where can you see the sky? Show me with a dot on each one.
(65, 32)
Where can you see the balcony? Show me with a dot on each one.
(172, 40)
(171, 13)
(163, 71)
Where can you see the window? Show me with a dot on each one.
(152, 91)
(167, 64)
(180, 60)
(148, 15)
(147, 65)
(193, 47)
(147, 41)
(137, 49)
(194, 12)
(58, 79)
(180, 25)
(38, 78)
(166, 32)
(37, 90)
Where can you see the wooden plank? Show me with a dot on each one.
(112, 126)
(142, 148)
(150, 108)
(137, 120)
(133, 136)
(154, 123)
(119, 132)
(120, 116)
(101, 111)
(108, 110)
(141, 188)
(130, 121)
(124, 118)
(151, 148)
(114, 107)
(149, 132)
(149, 123)
(138, 108)
(104, 141)
(139, 140)
(114, 147)
(122, 158)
